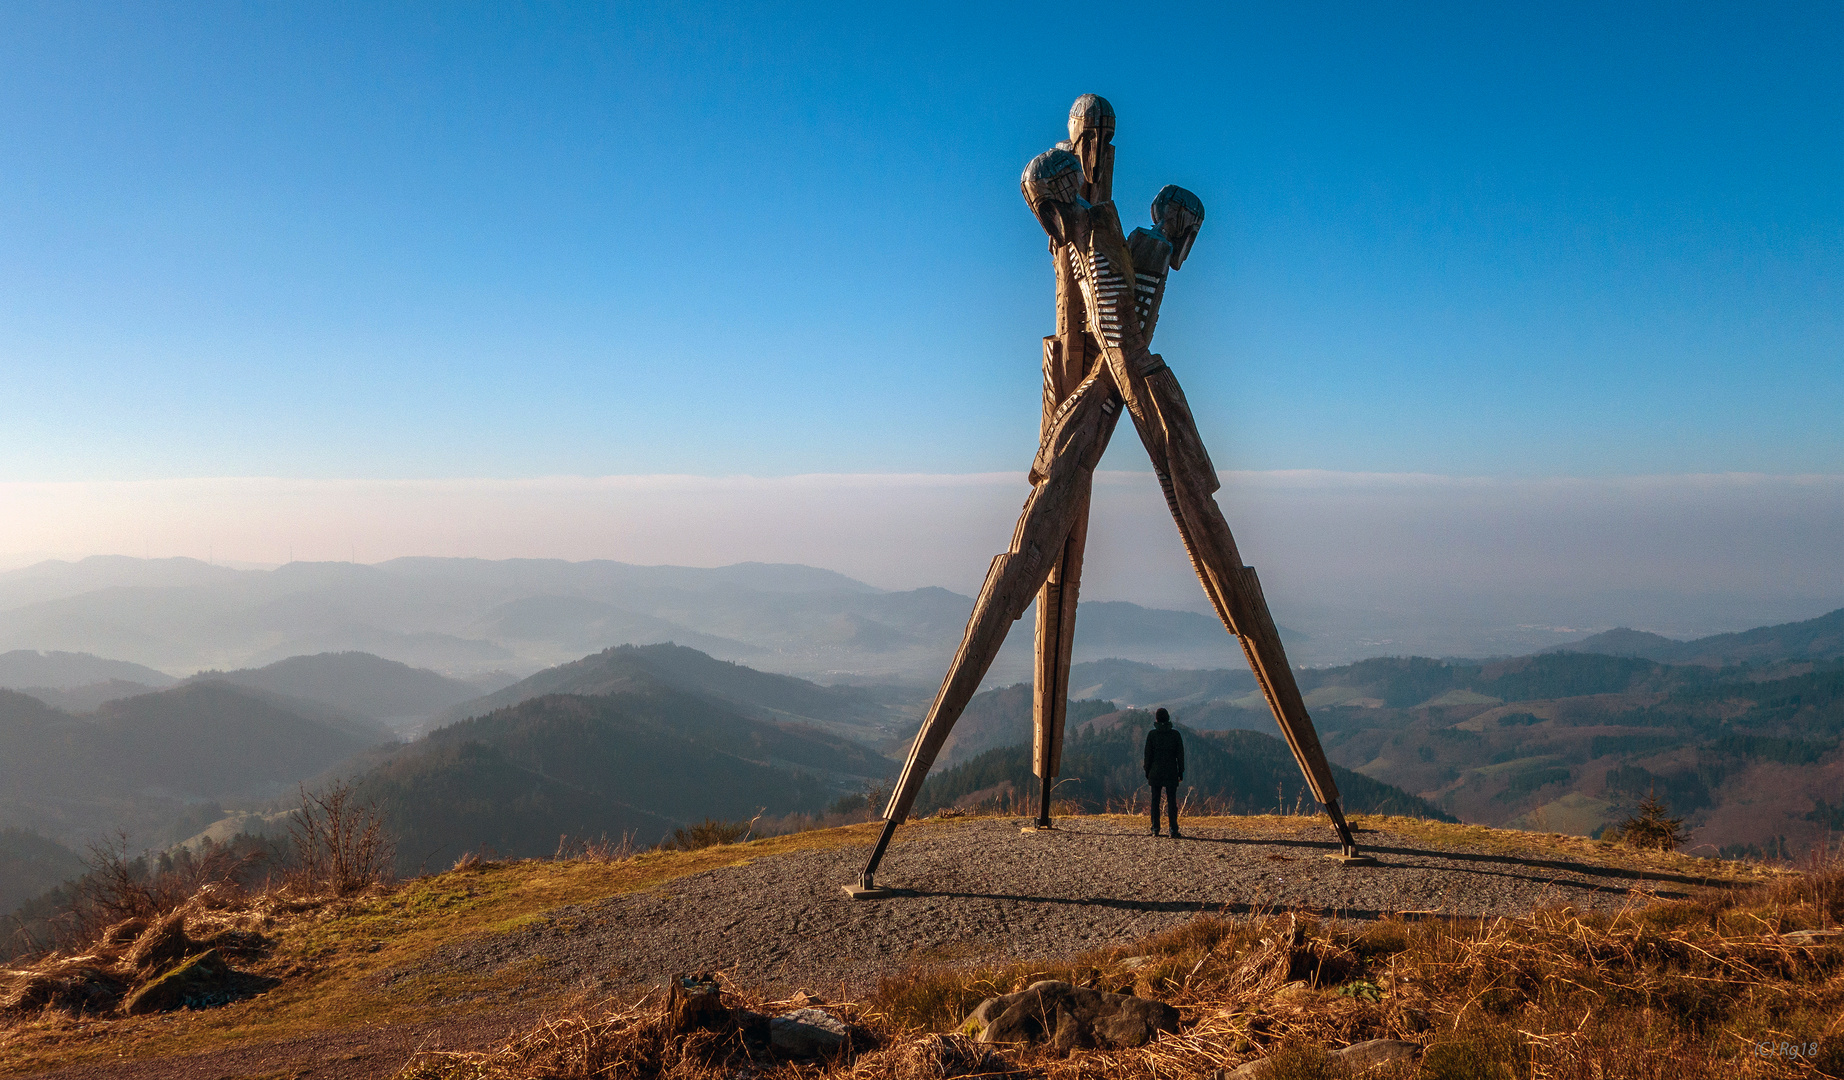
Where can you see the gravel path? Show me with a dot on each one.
(981, 888)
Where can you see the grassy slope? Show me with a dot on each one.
(331, 961)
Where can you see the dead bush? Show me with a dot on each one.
(601, 850)
(708, 833)
(340, 844)
(119, 887)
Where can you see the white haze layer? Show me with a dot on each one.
(1376, 563)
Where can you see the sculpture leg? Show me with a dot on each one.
(1064, 370)
(1189, 481)
(1056, 633)
(1065, 462)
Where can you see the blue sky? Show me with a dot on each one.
(525, 240)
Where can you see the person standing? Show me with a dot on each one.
(1165, 767)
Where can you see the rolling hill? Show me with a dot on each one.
(158, 764)
(639, 758)
(853, 712)
(1810, 639)
(29, 865)
(359, 683)
(1573, 741)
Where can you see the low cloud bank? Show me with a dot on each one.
(1363, 552)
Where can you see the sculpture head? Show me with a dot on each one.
(1091, 113)
(1179, 215)
(1052, 185)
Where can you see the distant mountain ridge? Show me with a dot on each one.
(464, 617)
(69, 670)
(356, 682)
(1810, 639)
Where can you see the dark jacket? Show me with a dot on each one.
(1165, 756)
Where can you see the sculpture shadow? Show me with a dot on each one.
(1567, 866)
(1178, 907)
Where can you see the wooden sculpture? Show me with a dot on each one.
(1109, 289)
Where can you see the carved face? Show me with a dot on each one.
(1179, 215)
(1052, 185)
(1091, 115)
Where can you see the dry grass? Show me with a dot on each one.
(1686, 990)
(329, 951)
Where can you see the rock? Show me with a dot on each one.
(1068, 1034)
(1368, 1055)
(987, 1012)
(1134, 963)
(1036, 1014)
(161, 945)
(807, 1033)
(201, 982)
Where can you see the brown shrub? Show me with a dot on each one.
(340, 844)
(160, 946)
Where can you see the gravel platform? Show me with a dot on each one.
(981, 888)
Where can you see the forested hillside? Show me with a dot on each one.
(159, 764)
(1240, 772)
(639, 761)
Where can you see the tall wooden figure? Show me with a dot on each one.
(1109, 290)
(1068, 353)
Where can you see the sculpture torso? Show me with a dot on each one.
(1103, 265)
(1152, 264)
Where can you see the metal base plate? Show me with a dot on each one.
(1037, 829)
(1353, 860)
(859, 892)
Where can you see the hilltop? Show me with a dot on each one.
(455, 959)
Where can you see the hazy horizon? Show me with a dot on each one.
(1449, 565)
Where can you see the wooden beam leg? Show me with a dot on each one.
(1062, 472)
(1189, 481)
(1055, 638)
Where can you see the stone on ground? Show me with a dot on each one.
(807, 1033)
(201, 982)
(1071, 1017)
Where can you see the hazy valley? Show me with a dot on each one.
(1739, 733)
